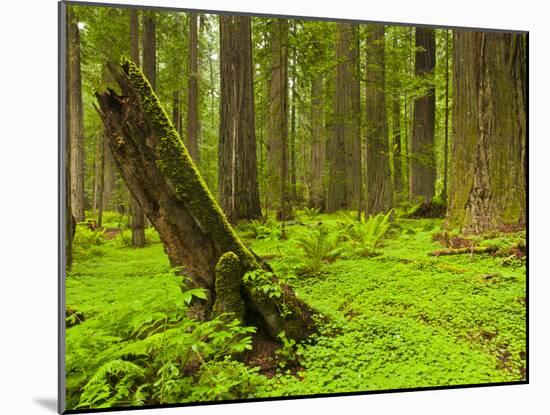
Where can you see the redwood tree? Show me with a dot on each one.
(193, 126)
(378, 173)
(277, 143)
(488, 180)
(318, 143)
(138, 219)
(238, 170)
(75, 135)
(345, 157)
(422, 180)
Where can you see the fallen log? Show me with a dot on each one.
(164, 180)
(467, 250)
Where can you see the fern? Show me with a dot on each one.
(147, 351)
(372, 231)
(318, 246)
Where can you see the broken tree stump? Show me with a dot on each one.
(164, 180)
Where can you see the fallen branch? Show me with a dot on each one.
(462, 251)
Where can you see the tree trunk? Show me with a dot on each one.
(396, 130)
(102, 152)
(293, 189)
(138, 220)
(69, 218)
(488, 184)
(75, 134)
(446, 144)
(193, 89)
(237, 160)
(150, 48)
(345, 160)
(317, 190)
(422, 140)
(176, 111)
(378, 173)
(396, 134)
(197, 237)
(277, 143)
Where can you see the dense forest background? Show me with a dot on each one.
(336, 150)
(331, 111)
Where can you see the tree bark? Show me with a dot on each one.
(488, 183)
(138, 220)
(69, 218)
(277, 143)
(102, 151)
(396, 135)
(176, 111)
(378, 173)
(345, 160)
(193, 126)
(422, 140)
(75, 135)
(161, 174)
(293, 188)
(318, 143)
(446, 143)
(237, 160)
(150, 48)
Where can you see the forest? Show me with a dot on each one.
(268, 207)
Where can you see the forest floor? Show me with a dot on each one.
(397, 317)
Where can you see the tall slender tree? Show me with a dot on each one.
(488, 183)
(75, 133)
(446, 142)
(318, 139)
(277, 143)
(378, 173)
(149, 43)
(138, 219)
(423, 173)
(293, 89)
(193, 126)
(237, 159)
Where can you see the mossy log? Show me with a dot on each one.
(163, 178)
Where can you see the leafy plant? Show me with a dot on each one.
(269, 229)
(318, 247)
(370, 232)
(150, 352)
(311, 213)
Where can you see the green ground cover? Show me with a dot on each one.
(397, 317)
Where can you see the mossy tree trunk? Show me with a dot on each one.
(161, 175)
(422, 181)
(488, 183)
(378, 173)
(237, 159)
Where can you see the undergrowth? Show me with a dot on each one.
(395, 317)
